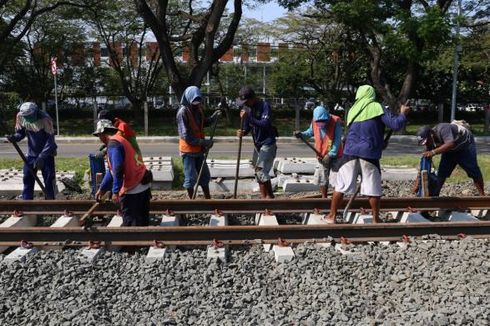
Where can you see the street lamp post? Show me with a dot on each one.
(457, 51)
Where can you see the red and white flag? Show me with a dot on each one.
(53, 66)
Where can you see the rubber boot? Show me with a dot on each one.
(323, 191)
(190, 192)
(205, 190)
(269, 193)
(263, 191)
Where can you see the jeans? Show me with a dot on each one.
(192, 165)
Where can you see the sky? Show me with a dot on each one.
(267, 12)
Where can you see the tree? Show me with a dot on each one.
(16, 19)
(325, 57)
(396, 34)
(125, 36)
(194, 28)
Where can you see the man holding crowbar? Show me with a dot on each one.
(326, 129)
(37, 126)
(193, 146)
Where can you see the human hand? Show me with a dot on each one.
(240, 133)
(244, 112)
(297, 134)
(100, 154)
(429, 154)
(99, 194)
(39, 163)
(325, 161)
(405, 109)
(115, 198)
(206, 143)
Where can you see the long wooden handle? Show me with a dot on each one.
(238, 160)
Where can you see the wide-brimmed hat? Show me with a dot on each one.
(103, 126)
(422, 134)
(245, 93)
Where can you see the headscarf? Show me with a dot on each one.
(191, 94)
(365, 102)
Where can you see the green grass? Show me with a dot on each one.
(80, 165)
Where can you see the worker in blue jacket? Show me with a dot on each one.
(37, 126)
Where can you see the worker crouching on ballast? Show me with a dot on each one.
(126, 176)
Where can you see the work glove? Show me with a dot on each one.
(10, 138)
(101, 153)
(215, 115)
(39, 163)
(206, 143)
(297, 134)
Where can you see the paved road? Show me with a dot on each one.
(226, 149)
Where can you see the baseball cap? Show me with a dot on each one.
(27, 109)
(104, 125)
(423, 133)
(245, 93)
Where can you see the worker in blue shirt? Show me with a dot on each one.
(256, 115)
(37, 126)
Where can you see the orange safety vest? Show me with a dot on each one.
(197, 130)
(133, 169)
(323, 145)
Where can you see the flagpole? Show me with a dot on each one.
(56, 105)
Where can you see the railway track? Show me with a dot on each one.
(79, 207)
(239, 235)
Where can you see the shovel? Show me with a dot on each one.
(238, 160)
(23, 157)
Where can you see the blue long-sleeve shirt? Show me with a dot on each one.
(183, 124)
(114, 178)
(308, 133)
(365, 139)
(40, 135)
(259, 123)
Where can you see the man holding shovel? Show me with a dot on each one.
(192, 144)
(37, 126)
(256, 116)
(326, 129)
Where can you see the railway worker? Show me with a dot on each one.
(125, 130)
(256, 115)
(38, 127)
(456, 144)
(366, 123)
(126, 177)
(326, 129)
(192, 144)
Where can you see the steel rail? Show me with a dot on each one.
(79, 207)
(199, 235)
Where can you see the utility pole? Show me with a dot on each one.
(457, 51)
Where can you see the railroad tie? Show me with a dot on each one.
(94, 250)
(158, 251)
(282, 253)
(217, 250)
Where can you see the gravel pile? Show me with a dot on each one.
(433, 283)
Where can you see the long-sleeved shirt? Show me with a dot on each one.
(114, 178)
(308, 133)
(183, 124)
(259, 123)
(40, 135)
(365, 139)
